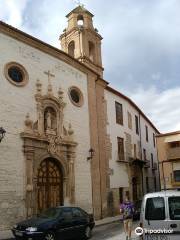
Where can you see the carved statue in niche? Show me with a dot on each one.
(50, 120)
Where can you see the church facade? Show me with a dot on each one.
(61, 146)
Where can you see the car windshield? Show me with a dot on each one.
(50, 213)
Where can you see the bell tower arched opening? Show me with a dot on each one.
(81, 31)
(80, 20)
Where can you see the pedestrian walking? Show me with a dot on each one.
(127, 210)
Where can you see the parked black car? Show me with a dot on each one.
(56, 223)
(137, 210)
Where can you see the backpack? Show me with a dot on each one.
(128, 211)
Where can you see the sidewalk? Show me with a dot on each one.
(6, 235)
(107, 220)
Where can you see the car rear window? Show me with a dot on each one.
(174, 208)
(155, 209)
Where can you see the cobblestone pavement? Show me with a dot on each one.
(113, 231)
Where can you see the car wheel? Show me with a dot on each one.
(88, 232)
(50, 236)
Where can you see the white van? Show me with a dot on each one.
(160, 215)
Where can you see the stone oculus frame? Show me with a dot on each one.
(21, 69)
(80, 95)
(48, 138)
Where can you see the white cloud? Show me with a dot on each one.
(161, 107)
(11, 11)
(141, 46)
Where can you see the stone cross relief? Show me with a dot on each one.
(49, 74)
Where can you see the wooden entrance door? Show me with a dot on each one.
(49, 185)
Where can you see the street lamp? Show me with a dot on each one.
(2, 133)
(91, 153)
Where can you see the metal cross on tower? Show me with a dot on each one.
(78, 2)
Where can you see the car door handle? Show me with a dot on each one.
(173, 225)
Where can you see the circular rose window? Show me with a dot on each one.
(76, 96)
(16, 74)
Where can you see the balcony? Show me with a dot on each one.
(136, 161)
(147, 164)
(121, 158)
(173, 153)
(155, 166)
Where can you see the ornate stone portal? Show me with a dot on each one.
(49, 145)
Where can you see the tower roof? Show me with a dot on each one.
(80, 9)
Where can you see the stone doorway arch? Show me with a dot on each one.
(49, 148)
(49, 184)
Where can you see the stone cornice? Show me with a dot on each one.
(44, 47)
(80, 30)
(45, 139)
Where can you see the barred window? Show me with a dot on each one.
(119, 113)
(120, 148)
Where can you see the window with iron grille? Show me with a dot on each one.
(176, 175)
(154, 140)
(152, 160)
(146, 133)
(129, 120)
(137, 124)
(119, 113)
(144, 154)
(120, 142)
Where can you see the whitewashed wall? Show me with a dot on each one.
(16, 102)
(120, 176)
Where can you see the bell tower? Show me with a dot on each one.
(81, 40)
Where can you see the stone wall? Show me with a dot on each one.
(15, 103)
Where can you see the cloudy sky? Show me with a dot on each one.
(141, 46)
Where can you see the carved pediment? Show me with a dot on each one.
(49, 123)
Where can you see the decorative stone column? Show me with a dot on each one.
(71, 184)
(29, 152)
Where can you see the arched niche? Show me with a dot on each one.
(91, 51)
(50, 119)
(71, 49)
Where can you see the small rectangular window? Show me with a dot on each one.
(119, 113)
(155, 209)
(176, 175)
(144, 154)
(174, 144)
(146, 133)
(155, 184)
(152, 160)
(137, 124)
(147, 184)
(154, 140)
(129, 120)
(174, 208)
(135, 151)
(120, 148)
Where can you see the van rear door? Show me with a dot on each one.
(155, 218)
(174, 216)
